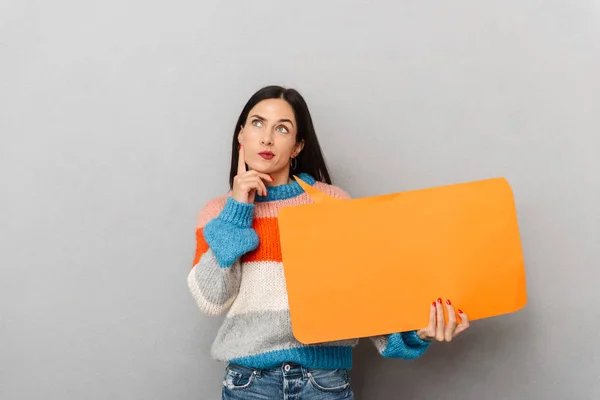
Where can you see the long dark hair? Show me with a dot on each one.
(310, 160)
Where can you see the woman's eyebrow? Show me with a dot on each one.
(264, 119)
(286, 120)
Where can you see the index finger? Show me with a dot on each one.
(241, 161)
(432, 315)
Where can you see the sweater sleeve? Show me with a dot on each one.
(222, 237)
(407, 345)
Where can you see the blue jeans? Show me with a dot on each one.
(289, 381)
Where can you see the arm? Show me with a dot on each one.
(406, 345)
(222, 238)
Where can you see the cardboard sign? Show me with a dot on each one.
(372, 266)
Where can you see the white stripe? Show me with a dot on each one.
(262, 288)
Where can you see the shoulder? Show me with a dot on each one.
(211, 210)
(332, 190)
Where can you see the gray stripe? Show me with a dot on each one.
(380, 342)
(217, 285)
(259, 332)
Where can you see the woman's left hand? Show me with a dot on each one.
(438, 329)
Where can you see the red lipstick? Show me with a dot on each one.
(267, 155)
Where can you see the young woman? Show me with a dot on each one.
(237, 267)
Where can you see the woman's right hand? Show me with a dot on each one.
(247, 183)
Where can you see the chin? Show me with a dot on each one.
(264, 167)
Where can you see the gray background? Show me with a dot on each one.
(116, 118)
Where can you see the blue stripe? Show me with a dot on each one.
(317, 357)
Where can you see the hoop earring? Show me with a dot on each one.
(294, 164)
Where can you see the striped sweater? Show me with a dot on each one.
(238, 270)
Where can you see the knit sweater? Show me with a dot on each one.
(238, 270)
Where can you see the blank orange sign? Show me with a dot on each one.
(372, 266)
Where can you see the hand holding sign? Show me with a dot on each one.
(438, 329)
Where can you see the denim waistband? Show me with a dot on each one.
(288, 369)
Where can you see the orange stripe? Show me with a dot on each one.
(201, 246)
(269, 248)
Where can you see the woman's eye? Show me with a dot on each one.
(257, 122)
(282, 129)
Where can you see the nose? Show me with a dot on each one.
(267, 138)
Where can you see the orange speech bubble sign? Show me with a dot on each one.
(372, 266)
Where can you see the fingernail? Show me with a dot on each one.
(460, 311)
(433, 304)
(448, 302)
(440, 300)
(271, 178)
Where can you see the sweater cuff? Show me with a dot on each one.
(230, 235)
(413, 340)
(406, 345)
(237, 213)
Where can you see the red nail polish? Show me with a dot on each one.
(433, 304)
(460, 311)
(440, 300)
(448, 302)
(271, 178)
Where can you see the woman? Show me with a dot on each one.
(237, 267)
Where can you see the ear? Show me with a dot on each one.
(240, 134)
(298, 148)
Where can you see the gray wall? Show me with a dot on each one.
(115, 119)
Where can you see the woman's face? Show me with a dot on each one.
(269, 137)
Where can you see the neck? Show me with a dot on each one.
(279, 178)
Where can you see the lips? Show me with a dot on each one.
(267, 155)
